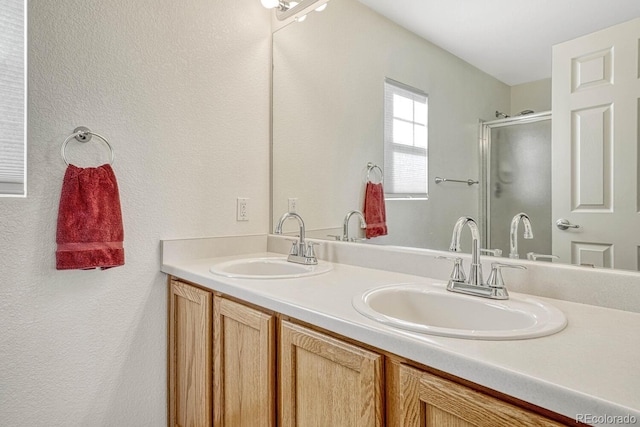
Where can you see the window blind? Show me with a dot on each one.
(405, 141)
(12, 97)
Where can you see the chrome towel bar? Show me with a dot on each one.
(468, 181)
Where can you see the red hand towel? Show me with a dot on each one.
(374, 211)
(90, 232)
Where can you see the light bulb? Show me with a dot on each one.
(270, 4)
(321, 8)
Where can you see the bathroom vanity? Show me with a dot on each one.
(293, 351)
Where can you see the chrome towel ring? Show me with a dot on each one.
(372, 167)
(84, 134)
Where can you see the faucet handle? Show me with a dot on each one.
(310, 252)
(495, 279)
(335, 236)
(532, 256)
(494, 252)
(294, 247)
(457, 274)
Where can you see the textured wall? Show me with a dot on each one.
(181, 90)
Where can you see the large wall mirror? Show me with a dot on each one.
(328, 102)
(12, 98)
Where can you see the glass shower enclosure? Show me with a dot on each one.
(516, 171)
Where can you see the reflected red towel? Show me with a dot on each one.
(90, 232)
(374, 211)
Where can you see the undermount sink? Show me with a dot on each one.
(267, 268)
(431, 309)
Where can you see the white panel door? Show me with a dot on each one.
(595, 148)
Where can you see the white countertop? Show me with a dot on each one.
(591, 367)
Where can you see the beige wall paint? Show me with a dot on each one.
(180, 89)
(534, 96)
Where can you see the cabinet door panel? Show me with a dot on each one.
(244, 366)
(189, 356)
(426, 400)
(325, 381)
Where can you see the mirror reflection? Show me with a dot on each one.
(329, 125)
(328, 109)
(517, 152)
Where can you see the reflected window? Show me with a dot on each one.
(405, 141)
(12, 97)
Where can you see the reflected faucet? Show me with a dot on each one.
(345, 226)
(513, 235)
(300, 252)
(532, 256)
(475, 271)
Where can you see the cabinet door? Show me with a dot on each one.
(424, 399)
(327, 382)
(189, 356)
(244, 366)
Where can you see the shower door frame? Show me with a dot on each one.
(484, 132)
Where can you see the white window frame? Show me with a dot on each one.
(391, 88)
(13, 90)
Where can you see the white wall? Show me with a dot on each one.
(328, 115)
(180, 89)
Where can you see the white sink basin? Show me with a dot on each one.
(267, 268)
(431, 309)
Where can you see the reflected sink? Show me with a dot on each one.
(267, 268)
(431, 309)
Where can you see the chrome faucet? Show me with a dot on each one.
(513, 234)
(475, 271)
(345, 226)
(301, 252)
(474, 285)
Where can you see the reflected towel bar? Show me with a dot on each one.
(468, 181)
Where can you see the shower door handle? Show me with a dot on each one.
(564, 224)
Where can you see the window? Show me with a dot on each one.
(405, 141)
(12, 97)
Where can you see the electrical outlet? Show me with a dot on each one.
(293, 204)
(242, 209)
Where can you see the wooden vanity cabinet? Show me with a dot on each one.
(224, 371)
(327, 382)
(417, 398)
(189, 355)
